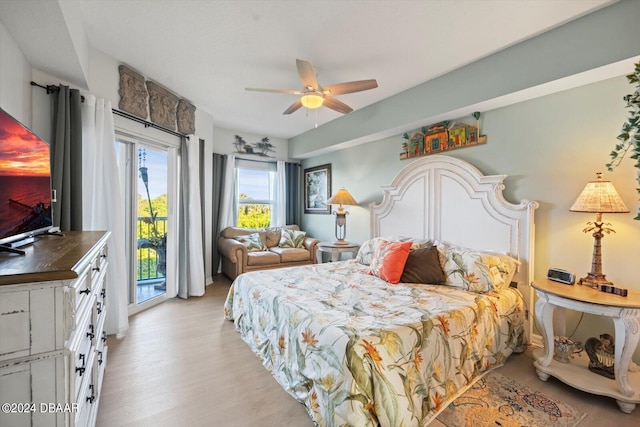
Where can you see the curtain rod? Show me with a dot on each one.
(52, 89)
(256, 160)
(146, 123)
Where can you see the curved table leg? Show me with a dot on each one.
(627, 335)
(544, 314)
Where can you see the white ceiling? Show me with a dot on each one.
(209, 51)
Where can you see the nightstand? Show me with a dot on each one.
(625, 312)
(336, 250)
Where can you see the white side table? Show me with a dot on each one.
(336, 250)
(625, 312)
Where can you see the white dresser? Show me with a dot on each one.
(53, 349)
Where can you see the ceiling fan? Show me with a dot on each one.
(315, 96)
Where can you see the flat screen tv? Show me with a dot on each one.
(25, 183)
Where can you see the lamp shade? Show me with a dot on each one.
(312, 100)
(599, 196)
(342, 197)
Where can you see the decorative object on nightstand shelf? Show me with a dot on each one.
(599, 197)
(342, 197)
(601, 355)
(564, 348)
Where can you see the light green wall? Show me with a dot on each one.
(549, 147)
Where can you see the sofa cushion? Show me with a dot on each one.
(253, 242)
(292, 239)
(271, 236)
(231, 232)
(262, 258)
(291, 254)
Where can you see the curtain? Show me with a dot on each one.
(66, 159)
(279, 210)
(102, 203)
(217, 190)
(228, 210)
(191, 274)
(293, 200)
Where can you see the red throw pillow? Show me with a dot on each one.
(389, 259)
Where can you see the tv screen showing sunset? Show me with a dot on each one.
(25, 179)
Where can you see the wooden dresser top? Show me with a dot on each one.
(49, 258)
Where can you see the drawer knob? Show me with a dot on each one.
(99, 358)
(90, 334)
(99, 307)
(96, 268)
(92, 397)
(81, 369)
(103, 293)
(104, 336)
(85, 291)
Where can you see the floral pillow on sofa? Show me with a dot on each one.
(476, 271)
(252, 241)
(292, 238)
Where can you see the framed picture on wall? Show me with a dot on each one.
(317, 189)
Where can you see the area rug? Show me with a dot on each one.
(496, 400)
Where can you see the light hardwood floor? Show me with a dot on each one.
(182, 364)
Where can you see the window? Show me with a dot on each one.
(255, 193)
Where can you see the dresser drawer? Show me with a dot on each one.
(82, 351)
(80, 289)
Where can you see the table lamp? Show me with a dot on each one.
(600, 197)
(340, 198)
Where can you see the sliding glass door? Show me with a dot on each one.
(145, 177)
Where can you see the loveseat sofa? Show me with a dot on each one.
(246, 249)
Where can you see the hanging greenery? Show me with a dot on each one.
(630, 134)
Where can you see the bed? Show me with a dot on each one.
(359, 350)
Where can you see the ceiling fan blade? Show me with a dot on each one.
(350, 87)
(334, 104)
(293, 107)
(307, 75)
(292, 92)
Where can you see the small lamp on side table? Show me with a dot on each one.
(600, 197)
(341, 197)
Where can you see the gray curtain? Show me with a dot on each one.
(191, 274)
(293, 193)
(217, 190)
(66, 159)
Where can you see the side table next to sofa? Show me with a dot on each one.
(336, 250)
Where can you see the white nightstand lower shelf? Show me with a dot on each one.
(577, 375)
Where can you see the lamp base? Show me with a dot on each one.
(594, 280)
(340, 242)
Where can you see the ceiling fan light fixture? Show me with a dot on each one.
(312, 100)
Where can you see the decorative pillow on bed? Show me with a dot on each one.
(476, 271)
(389, 259)
(292, 238)
(252, 241)
(365, 253)
(423, 266)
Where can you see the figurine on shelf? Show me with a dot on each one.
(600, 350)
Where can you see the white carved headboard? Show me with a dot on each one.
(447, 199)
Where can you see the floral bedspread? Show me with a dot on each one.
(359, 351)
